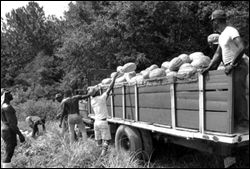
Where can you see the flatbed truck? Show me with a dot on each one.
(195, 112)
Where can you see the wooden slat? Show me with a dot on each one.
(217, 95)
(216, 78)
(201, 103)
(118, 112)
(130, 90)
(187, 119)
(215, 86)
(187, 95)
(216, 105)
(188, 104)
(111, 98)
(155, 100)
(160, 116)
(136, 103)
(173, 105)
(154, 89)
(216, 121)
(118, 91)
(187, 86)
(216, 72)
(118, 100)
(123, 103)
(130, 113)
(130, 99)
(209, 95)
(230, 104)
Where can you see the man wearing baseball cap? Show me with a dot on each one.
(230, 51)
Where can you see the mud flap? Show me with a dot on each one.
(229, 161)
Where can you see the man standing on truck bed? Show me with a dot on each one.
(99, 105)
(230, 51)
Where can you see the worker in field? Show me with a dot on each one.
(230, 51)
(99, 105)
(33, 122)
(69, 107)
(60, 99)
(9, 128)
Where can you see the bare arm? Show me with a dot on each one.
(80, 97)
(112, 84)
(240, 50)
(216, 60)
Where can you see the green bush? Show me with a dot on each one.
(37, 108)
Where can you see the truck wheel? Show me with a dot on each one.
(147, 143)
(128, 139)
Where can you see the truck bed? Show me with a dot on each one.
(202, 106)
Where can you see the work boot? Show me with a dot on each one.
(104, 148)
(6, 165)
(104, 151)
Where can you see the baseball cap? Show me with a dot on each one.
(213, 38)
(58, 95)
(218, 14)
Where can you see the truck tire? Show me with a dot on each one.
(147, 143)
(128, 139)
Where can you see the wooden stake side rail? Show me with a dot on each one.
(204, 106)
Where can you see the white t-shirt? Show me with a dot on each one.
(99, 106)
(227, 44)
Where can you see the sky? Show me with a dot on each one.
(50, 7)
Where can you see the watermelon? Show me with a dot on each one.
(172, 74)
(201, 62)
(145, 74)
(167, 71)
(120, 79)
(195, 55)
(152, 67)
(175, 64)
(119, 69)
(137, 79)
(185, 65)
(165, 65)
(129, 67)
(158, 72)
(185, 58)
(187, 71)
(129, 75)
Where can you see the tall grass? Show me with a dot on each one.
(51, 150)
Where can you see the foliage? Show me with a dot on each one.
(38, 108)
(105, 34)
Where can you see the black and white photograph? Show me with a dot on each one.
(124, 84)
